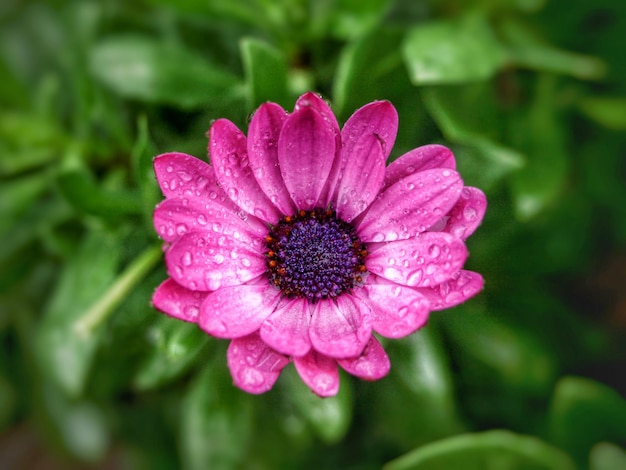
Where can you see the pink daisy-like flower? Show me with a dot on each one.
(296, 243)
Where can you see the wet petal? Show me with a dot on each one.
(175, 217)
(411, 205)
(236, 311)
(467, 213)
(287, 329)
(207, 261)
(177, 301)
(372, 364)
(397, 311)
(306, 151)
(183, 176)
(462, 286)
(426, 260)
(255, 367)
(340, 327)
(373, 125)
(319, 372)
(263, 134)
(229, 155)
(426, 157)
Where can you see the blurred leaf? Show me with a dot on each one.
(452, 51)
(527, 50)
(363, 68)
(605, 456)
(351, 19)
(497, 449)
(467, 115)
(8, 402)
(541, 136)
(329, 417)
(63, 354)
(17, 194)
(28, 141)
(146, 69)
(81, 426)
(86, 195)
(584, 412)
(465, 111)
(609, 112)
(216, 421)
(142, 156)
(484, 163)
(503, 368)
(176, 345)
(416, 403)
(266, 73)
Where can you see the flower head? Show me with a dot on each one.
(296, 243)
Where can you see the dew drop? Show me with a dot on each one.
(187, 258)
(434, 251)
(201, 219)
(378, 237)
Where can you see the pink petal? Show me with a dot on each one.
(177, 301)
(207, 261)
(175, 217)
(236, 311)
(397, 311)
(462, 286)
(372, 364)
(255, 367)
(422, 158)
(340, 327)
(287, 329)
(411, 205)
(183, 176)
(263, 135)
(426, 260)
(373, 125)
(319, 373)
(306, 151)
(229, 155)
(467, 213)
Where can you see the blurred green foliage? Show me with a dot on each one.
(530, 94)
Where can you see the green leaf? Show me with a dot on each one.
(176, 346)
(608, 112)
(491, 350)
(467, 115)
(527, 50)
(142, 156)
(351, 19)
(484, 163)
(496, 449)
(329, 417)
(266, 73)
(541, 136)
(584, 412)
(86, 195)
(605, 456)
(146, 69)
(452, 51)
(216, 421)
(364, 69)
(63, 354)
(417, 403)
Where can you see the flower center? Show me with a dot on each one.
(314, 255)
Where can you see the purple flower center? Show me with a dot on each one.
(314, 255)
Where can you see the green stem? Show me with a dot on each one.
(110, 300)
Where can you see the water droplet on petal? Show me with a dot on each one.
(187, 258)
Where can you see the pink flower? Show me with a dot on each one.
(297, 243)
